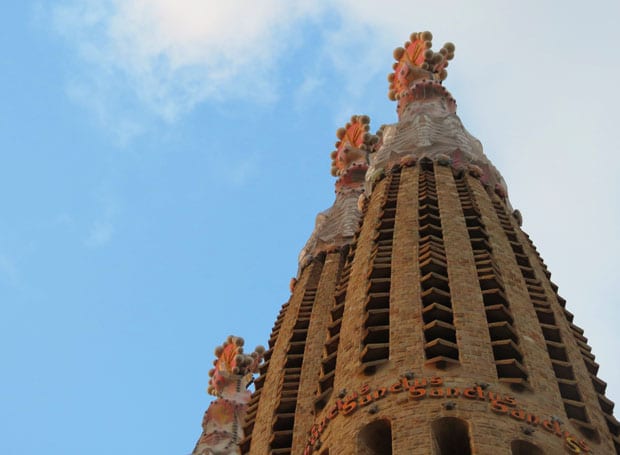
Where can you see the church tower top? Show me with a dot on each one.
(350, 159)
(416, 60)
(418, 299)
(419, 71)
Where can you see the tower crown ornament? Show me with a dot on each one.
(417, 61)
(420, 233)
(350, 159)
(354, 141)
(334, 228)
(232, 373)
(232, 365)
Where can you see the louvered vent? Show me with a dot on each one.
(330, 349)
(376, 326)
(569, 389)
(439, 332)
(504, 340)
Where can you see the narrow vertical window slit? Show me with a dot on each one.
(569, 389)
(330, 348)
(376, 326)
(440, 346)
(284, 414)
(500, 323)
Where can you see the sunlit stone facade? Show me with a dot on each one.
(422, 319)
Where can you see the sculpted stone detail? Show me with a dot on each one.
(428, 126)
(352, 147)
(223, 420)
(336, 226)
(416, 62)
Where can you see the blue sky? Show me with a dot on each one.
(163, 162)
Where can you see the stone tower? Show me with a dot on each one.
(422, 319)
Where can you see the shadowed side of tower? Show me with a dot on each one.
(422, 319)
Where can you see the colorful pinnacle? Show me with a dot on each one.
(354, 141)
(233, 372)
(417, 61)
(231, 363)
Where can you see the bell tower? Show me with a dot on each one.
(422, 319)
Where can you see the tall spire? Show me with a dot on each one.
(335, 227)
(354, 142)
(426, 322)
(233, 372)
(416, 63)
(416, 60)
(428, 126)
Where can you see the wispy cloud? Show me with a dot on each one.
(307, 90)
(167, 56)
(162, 58)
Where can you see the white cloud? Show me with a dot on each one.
(171, 56)
(536, 83)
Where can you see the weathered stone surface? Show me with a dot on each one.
(443, 290)
(429, 128)
(334, 227)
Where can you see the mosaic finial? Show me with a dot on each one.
(231, 364)
(354, 141)
(233, 372)
(416, 61)
(336, 226)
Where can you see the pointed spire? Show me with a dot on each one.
(350, 159)
(419, 72)
(334, 228)
(233, 372)
(417, 61)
